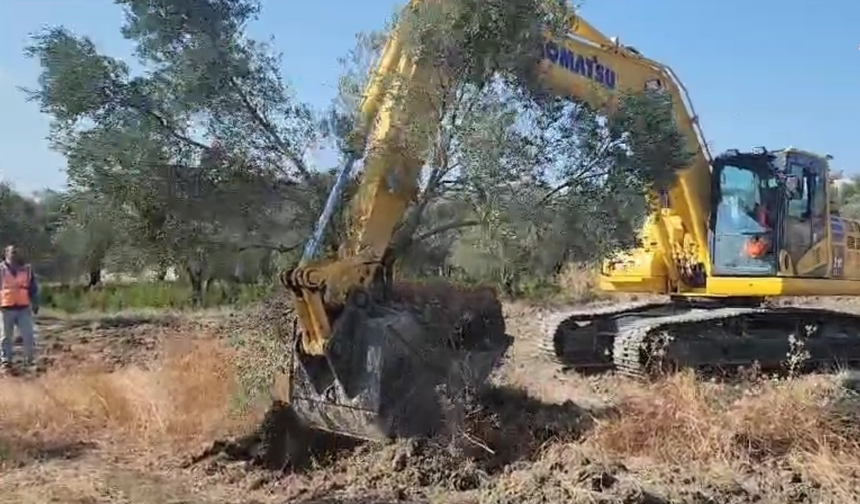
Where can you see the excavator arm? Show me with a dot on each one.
(370, 358)
(586, 65)
(398, 92)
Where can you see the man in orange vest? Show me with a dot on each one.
(18, 303)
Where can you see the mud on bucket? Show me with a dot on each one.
(389, 367)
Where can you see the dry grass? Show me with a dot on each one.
(183, 401)
(578, 282)
(808, 425)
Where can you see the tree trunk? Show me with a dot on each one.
(195, 277)
(197, 267)
(95, 278)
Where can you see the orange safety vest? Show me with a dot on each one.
(758, 247)
(15, 289)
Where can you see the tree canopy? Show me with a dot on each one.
(198, 155)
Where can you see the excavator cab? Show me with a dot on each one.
(770, 209)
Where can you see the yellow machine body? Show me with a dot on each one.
(366, 354)
(815, 251)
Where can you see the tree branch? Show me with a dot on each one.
(272, 247)
(283, 249)
(144, 108)
(578, 177)
(445, 228)
(270, 130)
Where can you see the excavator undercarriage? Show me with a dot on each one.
(715, 338)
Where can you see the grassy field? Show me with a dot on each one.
(140, 406)
(117, 297)
(576, 283)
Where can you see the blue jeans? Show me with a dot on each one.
(22, 318)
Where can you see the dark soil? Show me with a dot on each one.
(502, 426)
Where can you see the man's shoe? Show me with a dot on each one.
(6, 367)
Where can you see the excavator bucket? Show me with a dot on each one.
(391, 369)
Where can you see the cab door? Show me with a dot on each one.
(805, 226)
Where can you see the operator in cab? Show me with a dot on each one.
(758, 246)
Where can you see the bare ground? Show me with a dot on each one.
(137, 409)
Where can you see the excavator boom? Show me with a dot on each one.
(373, 358)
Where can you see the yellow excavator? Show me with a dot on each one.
(373, 359)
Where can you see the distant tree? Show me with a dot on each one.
(198, 153)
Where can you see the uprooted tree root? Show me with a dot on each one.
(500, 426)
(471, 317)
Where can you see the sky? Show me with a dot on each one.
(760, 72)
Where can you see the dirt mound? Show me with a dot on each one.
(500, 428)
(471, 318)
(273, 446)
(504, 425)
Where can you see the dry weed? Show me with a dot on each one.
(802, 424)
(184, 400)
(578, 282)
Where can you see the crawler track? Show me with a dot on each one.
(583, 340)
(642, 340)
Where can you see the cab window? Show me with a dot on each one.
(740, 196)
(744, 219)
(813, 203)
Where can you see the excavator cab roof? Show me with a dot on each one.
(759, 160)
(762, 160)
(779, 167)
